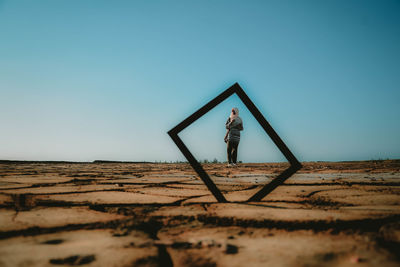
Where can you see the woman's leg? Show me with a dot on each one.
(234, 152)
(229, 151)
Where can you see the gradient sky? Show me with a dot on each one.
(86, 80)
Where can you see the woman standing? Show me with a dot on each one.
(233, 125)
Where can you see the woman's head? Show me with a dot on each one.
(234, 113)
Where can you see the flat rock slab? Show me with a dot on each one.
(171, 192)
(83, 247)
(148, 180)
(110, 198)
(10, 185)
(5, 199)
(69, 188)
(252, 211)
(30, 180)
(362, 196)
(235, 246)
(11, 220)
(340, 178)
(256, 213)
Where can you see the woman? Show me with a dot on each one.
(233, 125)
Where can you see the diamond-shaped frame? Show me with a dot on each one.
(268, 188)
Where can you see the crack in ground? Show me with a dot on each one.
(142, 220)
(33, 231)
(27, 201)
(152, 224)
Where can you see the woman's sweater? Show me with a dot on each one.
(234, 128)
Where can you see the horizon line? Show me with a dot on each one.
(2, 161)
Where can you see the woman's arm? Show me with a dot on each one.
(228, 124)
(235, 124)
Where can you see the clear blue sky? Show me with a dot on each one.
(86, 80)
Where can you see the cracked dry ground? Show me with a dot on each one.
(128, 214)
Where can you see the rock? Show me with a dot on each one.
(231, 249)
(74, 260)
(391, 232)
